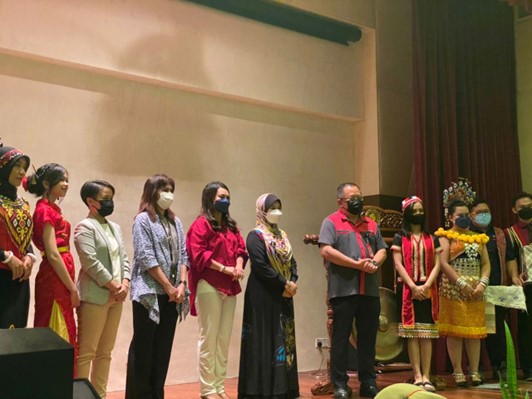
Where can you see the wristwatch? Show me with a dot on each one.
(375, 263)
(182, 282)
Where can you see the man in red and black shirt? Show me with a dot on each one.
(519, 238)
(354, 249)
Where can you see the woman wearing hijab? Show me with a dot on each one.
(268, 362)
(16, 229)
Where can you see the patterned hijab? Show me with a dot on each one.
(8, 157)
(13, 209)
(277, 245)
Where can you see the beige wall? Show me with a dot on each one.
(122, 90)
(523, 49)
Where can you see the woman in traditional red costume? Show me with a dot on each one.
(416, 255)
(16, 229)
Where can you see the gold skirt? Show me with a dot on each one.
(460, 316)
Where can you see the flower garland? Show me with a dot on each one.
(469, 238)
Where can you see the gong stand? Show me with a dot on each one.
(323, 387)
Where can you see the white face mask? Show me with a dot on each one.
(274, 215)
(165, 200)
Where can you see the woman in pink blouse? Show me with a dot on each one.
(217, 256)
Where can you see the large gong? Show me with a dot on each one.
(389, 344)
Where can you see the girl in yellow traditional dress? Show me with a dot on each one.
(466, 269)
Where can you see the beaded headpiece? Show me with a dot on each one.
(410, 200)
(8, 158)
(458, 191)
(8, 154)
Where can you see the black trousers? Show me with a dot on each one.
(496, 343)
(365, 310)
(525, 333)
(150, 350)
(14, 301)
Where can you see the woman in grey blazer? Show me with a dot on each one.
(103, 283)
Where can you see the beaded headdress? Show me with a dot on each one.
(458, 191)
(410, 200)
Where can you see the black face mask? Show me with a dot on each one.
(464, 222)
(222, 205)
(525, 213)
(417, 219)
(355, 206)
(106, 207)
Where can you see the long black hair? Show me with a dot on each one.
(207, 206)
(406, 225)
(52, 173)
(455, 204)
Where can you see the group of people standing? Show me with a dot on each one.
(103, 283)
(472, 255)
(441, 282)
(171, 274)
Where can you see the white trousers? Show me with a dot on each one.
(215, 317)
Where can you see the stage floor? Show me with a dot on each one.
(308, 379)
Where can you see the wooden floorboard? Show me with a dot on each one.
(308, 379)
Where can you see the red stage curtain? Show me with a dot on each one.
(465, 106)
(465, 102)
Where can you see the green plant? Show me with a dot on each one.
(509, 388)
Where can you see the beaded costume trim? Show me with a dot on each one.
(17, 217)
(9, 156)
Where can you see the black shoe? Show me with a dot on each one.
(342, 393)
(368, 391)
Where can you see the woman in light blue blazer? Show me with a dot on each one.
(103, 283)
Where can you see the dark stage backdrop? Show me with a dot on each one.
(465, 107)
(465, 103)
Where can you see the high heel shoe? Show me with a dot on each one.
(476, 378)
(460, 380)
